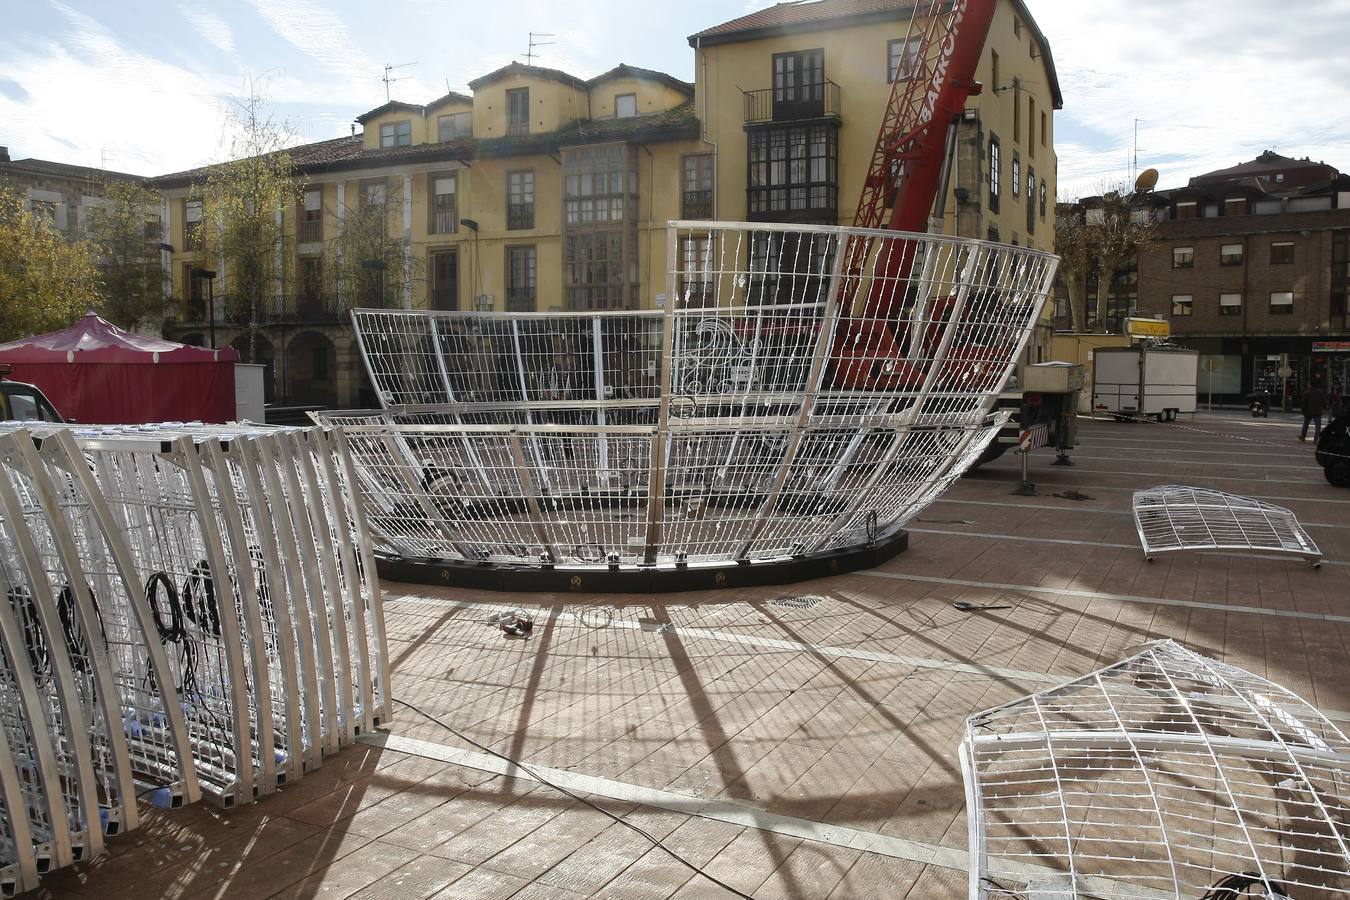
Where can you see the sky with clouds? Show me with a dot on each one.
(141, 85)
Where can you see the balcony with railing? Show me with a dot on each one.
(696, 205)
(310, 231)
(816, 100)
(444, 218)
(519, 216)
(288, 309)
(520, 299)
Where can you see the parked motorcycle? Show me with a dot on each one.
(1259, 404)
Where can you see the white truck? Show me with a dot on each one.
(1156, 382)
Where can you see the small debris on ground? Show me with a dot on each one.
(1072, 495)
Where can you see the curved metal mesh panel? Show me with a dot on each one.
(1165, 775)
(805, 389)
(1177, 517)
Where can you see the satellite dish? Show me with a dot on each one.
(1147, 181)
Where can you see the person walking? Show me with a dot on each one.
(1313, 402)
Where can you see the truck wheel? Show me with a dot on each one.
(1338, 473)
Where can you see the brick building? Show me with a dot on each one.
(1251, 266)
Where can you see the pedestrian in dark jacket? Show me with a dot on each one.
(1313, 403)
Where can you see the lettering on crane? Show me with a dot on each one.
(943, 61)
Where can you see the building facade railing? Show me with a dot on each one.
(816, 100)
(519, 216)
(288, 308)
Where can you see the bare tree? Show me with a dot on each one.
(124, 231)
(1073, 244)
(1117, 230)
(365, 265)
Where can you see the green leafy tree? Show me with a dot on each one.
(125, 236)
(46, 282)
(241, 204)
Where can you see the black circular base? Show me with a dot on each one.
(643, 580)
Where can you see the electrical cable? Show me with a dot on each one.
(77, 643)
(1237, 885)
(655, 841)
(20, 597)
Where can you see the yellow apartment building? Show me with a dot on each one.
(541, 191)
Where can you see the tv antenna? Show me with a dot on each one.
(390, 77)
(530, 54)
(103, 156)
(1134, 160)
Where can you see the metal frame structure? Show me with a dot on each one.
(1177, 517)
(763, 416)
(190, 611)
(1167, 774)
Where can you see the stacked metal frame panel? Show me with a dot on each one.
(190, 611)
(806, 389)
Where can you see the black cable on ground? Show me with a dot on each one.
(655, 841)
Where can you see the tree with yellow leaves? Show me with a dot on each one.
(46, 282)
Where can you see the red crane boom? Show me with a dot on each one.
(908, 170)
(909, 161)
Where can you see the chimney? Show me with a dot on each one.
(4, 154)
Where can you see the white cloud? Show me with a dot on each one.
(1213, 85)
(319, 33)
(210, 26)
(149, 116)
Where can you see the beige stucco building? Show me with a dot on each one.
(541, 191)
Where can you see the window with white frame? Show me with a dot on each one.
(1182, 304)
(1281, 253)
(1230, 304)
(311, 216)
(520, 200)
(1281, 303)
(444, 204)
(396, 134)
(1016, 191)
(453, 126)
(902, 58)
(995, 163)
(1230, 255)
(1183, 257)
(192, 224)
(374, 193)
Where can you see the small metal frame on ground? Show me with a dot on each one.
(191, 611)
(804, 394)
(1167, 774)
(1177, 517)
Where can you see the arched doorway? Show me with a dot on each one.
(311, 370)
(262, 353)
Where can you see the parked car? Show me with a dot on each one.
(1333, 451)
(24, 402)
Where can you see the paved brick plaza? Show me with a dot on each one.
(792, 750)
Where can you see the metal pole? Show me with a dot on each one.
(211, 300)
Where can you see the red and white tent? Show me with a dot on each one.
(94, 371)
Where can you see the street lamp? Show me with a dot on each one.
(210, 277)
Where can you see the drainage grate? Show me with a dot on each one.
(806, 601)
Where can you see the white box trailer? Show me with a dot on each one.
(1145, 382)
